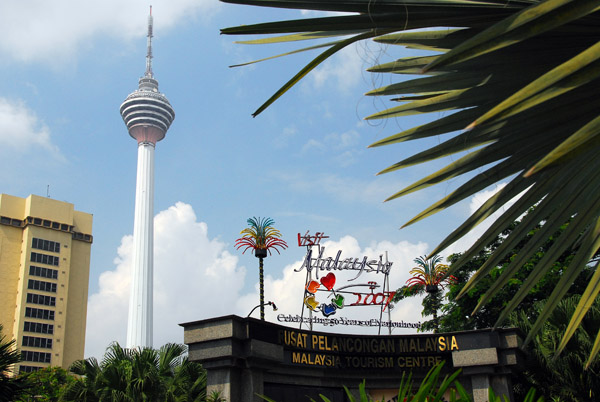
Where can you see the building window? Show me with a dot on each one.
(43, 272)
(47, 245)
(41, 285)
(38, 327)
(29, 356)
(35, 342)
(40, 313)
(28, 369)
(44, 259)
(82, 236)
(41, 299)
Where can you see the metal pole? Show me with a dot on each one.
(262, 288)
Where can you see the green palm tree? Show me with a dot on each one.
(10, 387)
(563, 376)
(87, 386)
(261, 237)
(136, 375)
(517, 82)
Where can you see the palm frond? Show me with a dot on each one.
(523, 77)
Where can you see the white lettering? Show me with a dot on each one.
(329, 263)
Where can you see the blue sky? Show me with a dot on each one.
(66, 67)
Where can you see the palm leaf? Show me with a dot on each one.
(310, 66)
(526, 74)
(530, 21)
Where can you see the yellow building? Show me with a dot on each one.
(44, 274)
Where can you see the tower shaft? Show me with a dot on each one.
(139, 327)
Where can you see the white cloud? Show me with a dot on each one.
(194, 278)
(318, 14)
(344, 145)
(347, 158)
(477, 201)
(283, 139)
(107, 309)
(52, 31)
(480, 198)
(313, 145)
(343, 70)
(344, 140)
(372, 191)
(20, 129)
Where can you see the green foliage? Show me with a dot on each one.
(46, 385)
(432, 389)
(432, 302)
(10, 387)
(215, 396)
(529, 397)
(563, 376)
(520, 80)
(136, 375)
(461, 313)
(429, 276)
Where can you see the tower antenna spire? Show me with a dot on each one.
(149, 53)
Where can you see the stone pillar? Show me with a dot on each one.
(479, 365)
(219, 380)
(481, 386)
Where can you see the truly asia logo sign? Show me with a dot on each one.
(324, 294)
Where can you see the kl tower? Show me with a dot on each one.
(148, 115)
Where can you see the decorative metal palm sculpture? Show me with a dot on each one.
(431, 276)
(261, 237)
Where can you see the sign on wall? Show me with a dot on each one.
(364, 352)
(359, 352)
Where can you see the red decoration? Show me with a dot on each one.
(328, 281)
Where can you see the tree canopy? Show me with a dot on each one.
(460, 313)
(136, 375)
(45, 385)
(562, 376)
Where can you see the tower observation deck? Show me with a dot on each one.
(148, 115)
(147, 112)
